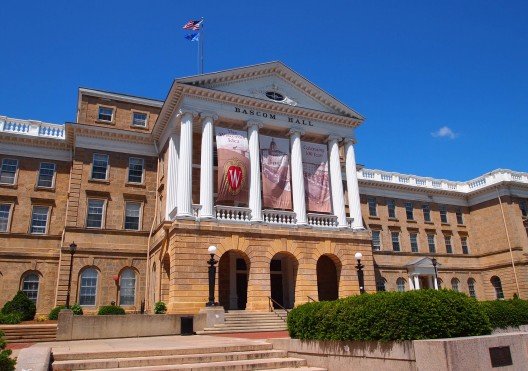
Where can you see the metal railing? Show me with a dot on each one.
(272, 309)
(311, 299)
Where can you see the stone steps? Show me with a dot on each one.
(29, 333)
(242, 321)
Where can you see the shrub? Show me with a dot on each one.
(160, 308)
(22, 305)
(10, 319)
(6, 363)
(506, 313)
(420, 314)
(54, 314)
(110, 310)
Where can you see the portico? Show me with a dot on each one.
(422, 274)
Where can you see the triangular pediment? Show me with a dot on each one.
(275, 82)
(421, 263)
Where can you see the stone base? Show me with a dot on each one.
(208, 317)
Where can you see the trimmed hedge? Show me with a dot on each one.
(6, 363)
(506, 313)
(54, 314)
(10, 319)
(387, 316)
(22, 305)
(110, 310)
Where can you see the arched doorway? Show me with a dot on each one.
(328, 271)
(283, 277)
(233, 273)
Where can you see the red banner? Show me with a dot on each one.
(275, 160)
(316, 177)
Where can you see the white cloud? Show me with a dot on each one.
(444, 132)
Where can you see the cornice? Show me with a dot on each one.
(111, 134)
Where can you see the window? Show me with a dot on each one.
(443, 214)
(30, 286)
(132, 215)
(497, 285)
(459, 217)
(88, 288)
(96, 208)
(409, 210)
(465, 249)
(440, 283)
(426, 212)
(135, 170)
(380, 284)
(106, 114)
(39, 219)
(454, 284)
(431, 243)
(139, 119)
(127, 287)
(100, 166)
(471, 287)
(400, 284)
(395, 237)
(8, 171)
(376, 240)
(46, 175)
(414, 242)
(372, 206)
(391, 208)
(5, 213)
(524, 208)
(449, 248)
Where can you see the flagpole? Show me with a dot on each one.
(201, 41)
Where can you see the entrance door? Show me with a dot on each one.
(241, 287)
(277, 293)
(424, 282)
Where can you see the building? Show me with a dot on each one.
(259, 162)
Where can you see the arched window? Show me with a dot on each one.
(497, 285)
(30, 286)
(400, 284)
(381, 284)
(127, 287)
(471, 288)
(454, 284)
(88, 287)
(440, 282)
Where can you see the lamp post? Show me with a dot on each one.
(359, 268)
(212, 276)
(435, 262)
(73, 249)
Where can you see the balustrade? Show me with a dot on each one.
(232, 213)
(279, 217)
(322, 220)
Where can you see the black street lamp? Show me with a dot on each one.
(212, 275)
(359, 268)
(435, 262)
(73, 249)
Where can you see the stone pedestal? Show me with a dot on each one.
(208, 317)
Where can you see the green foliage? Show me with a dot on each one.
(160, 308)
(506, 313)
(22, 305)
(54, 314)
(110, 310)
(6, 363)
(11, 318)
(387, 316)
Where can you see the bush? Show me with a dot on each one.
(10, 319)
(22, 305)
(506, 313)
(160, 308)
(387, 316)
(110, 310)
(54, 314)
(6, 363)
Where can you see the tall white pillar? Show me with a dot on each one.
(206, 166)
(297, 179)
(172, 177)
(185, 165)
(416, 282)
(354, 203)
(336, 181)
(255, 202)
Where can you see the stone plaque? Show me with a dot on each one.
(500, 356)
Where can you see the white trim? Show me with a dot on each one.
(107, 145)
(120, 97)
(29, 151)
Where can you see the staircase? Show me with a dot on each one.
(256, 356)
(243, 321)
(29, 333)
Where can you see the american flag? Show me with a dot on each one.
(193, 25)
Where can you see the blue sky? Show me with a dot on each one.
(443, 84)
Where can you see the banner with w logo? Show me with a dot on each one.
(233, 165)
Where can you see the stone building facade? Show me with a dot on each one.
(133, 182)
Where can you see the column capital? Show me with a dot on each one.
(250, 123)
(206, 114)
(333, 137)
(350, 140)
(296, 129)
(183, 110)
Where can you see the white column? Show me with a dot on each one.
(416, 282)
(435, 281)
(297, 179)
(336, 181)
(172, 176)
(206, 166)
(185, 165)
(354, 203)
(255, 202)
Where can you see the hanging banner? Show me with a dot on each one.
(233, 165)
(316, 177)
(275, 160)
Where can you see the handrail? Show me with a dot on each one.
(312, 299)
(275, 302)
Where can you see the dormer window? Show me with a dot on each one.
(273, 95)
